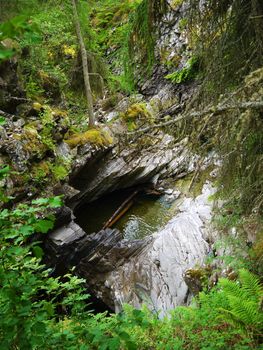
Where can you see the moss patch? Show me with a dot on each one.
(135, 113)
(93, 136)
(32, 141)
(50, 171)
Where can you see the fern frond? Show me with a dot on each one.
(231, 288)
(251, 284)
(230, 317)
(244, 302)
(246, 311)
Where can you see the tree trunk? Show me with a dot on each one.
(84, 59)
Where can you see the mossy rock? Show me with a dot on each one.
(50, 171)
(49, 84)
(136, 111)
(197, 278)
(31, 140)
(41, 172)
(93, 136)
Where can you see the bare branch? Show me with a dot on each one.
(212, 110)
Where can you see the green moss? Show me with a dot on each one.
(33, 89)
(60, 172)
(41, 172)
(47, 120)
(94, 136)
(31, 141)
(176, 3)
(185, 74)
(135, 113)
(50, 171)
(183, 23)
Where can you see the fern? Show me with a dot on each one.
(244, 299)
(231, 288)
(251, 284)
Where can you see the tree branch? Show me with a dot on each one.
(212, 110)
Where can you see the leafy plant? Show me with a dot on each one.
(245, 302)
(16, 27)
(2, 121)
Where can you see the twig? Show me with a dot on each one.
(6, 115)
(195, 174)
(121, 210)
(256, 17)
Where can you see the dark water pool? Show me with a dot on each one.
(148, 214)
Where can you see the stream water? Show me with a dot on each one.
(148, 214)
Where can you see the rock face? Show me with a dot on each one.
(168, 20)
(93, 255)
(156, 275)
(11, 92)
(147, 271)
(121, 168)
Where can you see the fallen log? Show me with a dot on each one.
(120, 214)
(121, 210)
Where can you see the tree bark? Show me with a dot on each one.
(84, 60)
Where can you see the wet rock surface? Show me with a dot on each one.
(147, 271)
(156, 275)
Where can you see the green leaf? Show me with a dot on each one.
(26, 230)
(40, 201)
(38, 251)
(44, 226)
(124, 336)
(4, 171)
(2, 119)
(130, 345)
(55, 202)
(49, 308)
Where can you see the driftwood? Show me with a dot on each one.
(120, 211)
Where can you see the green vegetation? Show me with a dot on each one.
(39, 311)
(142, 37)
(93, 136)
(189, 72)
(12, 29)
(228, 40)
(136, 113)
